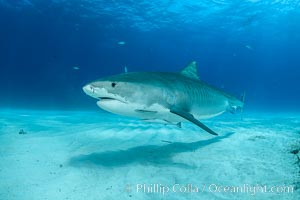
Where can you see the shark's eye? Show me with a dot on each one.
(113, 84)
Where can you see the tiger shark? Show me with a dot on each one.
(169, 98)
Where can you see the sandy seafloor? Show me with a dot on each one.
(96, 155)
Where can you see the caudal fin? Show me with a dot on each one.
(235, 104)
(243, 97)
(243, 100)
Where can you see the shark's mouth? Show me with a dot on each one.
(110, 99)
(107, 98)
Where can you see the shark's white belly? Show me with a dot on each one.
(153, 113)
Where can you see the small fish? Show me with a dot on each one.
(121, 42)
(249, 47)
(125, 69)
(76, 68)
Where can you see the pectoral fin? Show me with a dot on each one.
(192, 119)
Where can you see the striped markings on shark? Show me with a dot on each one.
(169, 98)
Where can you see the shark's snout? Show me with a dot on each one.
(97, 92)
(88, 89)
(91, 90)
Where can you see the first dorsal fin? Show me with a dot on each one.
(190, 71)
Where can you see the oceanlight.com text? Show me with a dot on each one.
(250, 189)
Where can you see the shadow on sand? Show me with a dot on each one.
(145, 155)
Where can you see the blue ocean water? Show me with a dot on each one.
(50, 49)
(56, 143)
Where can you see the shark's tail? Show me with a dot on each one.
(236, 104)
(243, 100)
